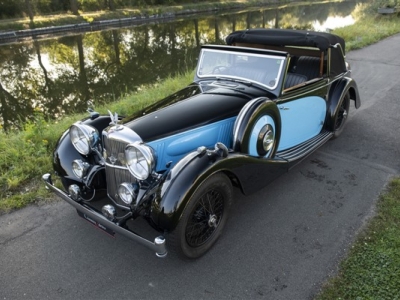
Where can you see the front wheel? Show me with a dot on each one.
(203, 219)
(341, 116)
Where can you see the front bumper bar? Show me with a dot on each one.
(159, 244)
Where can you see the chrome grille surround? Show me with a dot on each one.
(115, 139)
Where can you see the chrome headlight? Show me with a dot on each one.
(83, 137)
(140, 160)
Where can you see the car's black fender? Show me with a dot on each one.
(248, 173)
(65, 153)
(337, 93)
(250, 123)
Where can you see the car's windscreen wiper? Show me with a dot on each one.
(246, 82)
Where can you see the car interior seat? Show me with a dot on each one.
(293, 79)
(309, 66)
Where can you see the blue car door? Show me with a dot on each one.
(302, 119)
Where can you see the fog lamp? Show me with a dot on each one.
(74, 192)
(80, 168)
(127, 192)
(109, 212)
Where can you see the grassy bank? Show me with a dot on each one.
(372, 269)
(369, 30)
(22, 164)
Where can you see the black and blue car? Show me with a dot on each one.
(257, 106)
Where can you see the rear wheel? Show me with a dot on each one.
(341, 116)
(203, 218)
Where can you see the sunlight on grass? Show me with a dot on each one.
(368, 31)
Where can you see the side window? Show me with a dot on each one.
(303, 69)
(309, 66)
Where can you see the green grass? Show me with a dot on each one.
(372, 269)
(369, 30)
(29, 157)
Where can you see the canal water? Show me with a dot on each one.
(60, 75)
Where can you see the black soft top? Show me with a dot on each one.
(286, 37)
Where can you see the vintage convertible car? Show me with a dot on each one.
(257, 106)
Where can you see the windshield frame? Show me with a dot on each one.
(237, 52)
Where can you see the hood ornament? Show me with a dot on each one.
(114, 121)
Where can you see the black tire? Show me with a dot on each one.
(203, 219)
(341, 116)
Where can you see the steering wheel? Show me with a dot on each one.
(219, 70)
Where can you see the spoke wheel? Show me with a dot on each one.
(341, 116)
(203, 219)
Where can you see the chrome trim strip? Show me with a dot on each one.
(159, 244)
(240, 117)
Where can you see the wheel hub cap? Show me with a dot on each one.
(212, 221)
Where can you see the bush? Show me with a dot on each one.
(10, 9)
(91, 5)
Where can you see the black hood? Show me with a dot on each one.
(185, 110)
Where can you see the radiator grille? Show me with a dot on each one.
(116, 171)
(115, 151)
(116, 176)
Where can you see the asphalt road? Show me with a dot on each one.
(280, 243)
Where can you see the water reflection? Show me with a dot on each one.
(62, 75)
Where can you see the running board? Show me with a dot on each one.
(305, 148)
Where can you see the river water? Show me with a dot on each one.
(60, 75)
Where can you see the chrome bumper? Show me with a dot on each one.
(159, 244)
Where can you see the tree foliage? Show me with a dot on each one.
(19, 8)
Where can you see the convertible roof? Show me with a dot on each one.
(286, 37)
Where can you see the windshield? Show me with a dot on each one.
(263, 69)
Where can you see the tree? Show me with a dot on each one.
(74, 7)
(29, 10)
(110, 4)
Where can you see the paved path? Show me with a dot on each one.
(280, 243)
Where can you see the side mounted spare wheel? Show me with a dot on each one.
(203, 219)
(258, 128)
